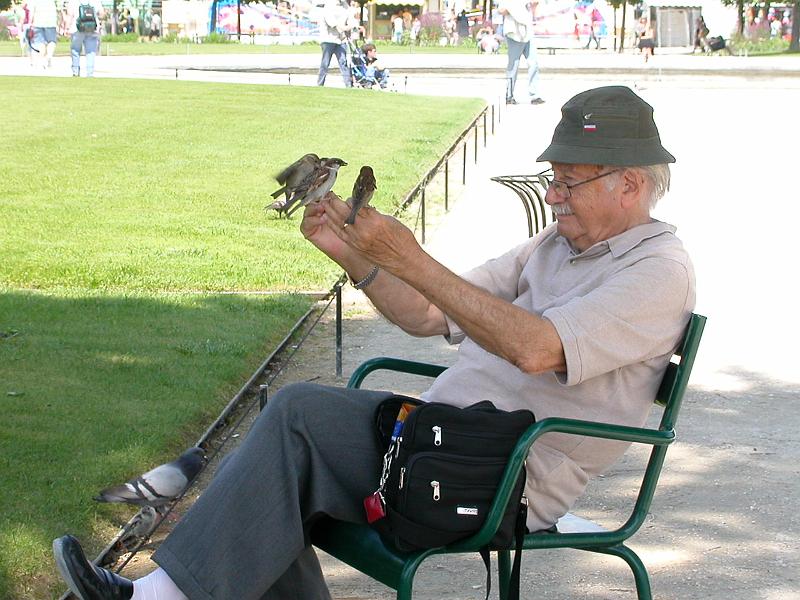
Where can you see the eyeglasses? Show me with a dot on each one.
(564, 189)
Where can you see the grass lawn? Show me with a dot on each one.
(127, 208)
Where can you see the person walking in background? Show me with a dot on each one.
(337, 23)
(44, 20)
(397, 28)
(408, 19)
(84, 20)
(518, 29)
(700, 34)
(416, 26)
(595, 21)
(22, 19)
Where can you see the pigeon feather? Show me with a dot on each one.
(160, 485)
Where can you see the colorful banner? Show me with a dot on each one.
(567, 18)
(265, 19)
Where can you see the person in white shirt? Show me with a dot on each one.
(397, 28)
(155, 26)
(518, 30)
(44, 20)
(84, 20)
(336, 25)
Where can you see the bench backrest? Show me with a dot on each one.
(676, 378)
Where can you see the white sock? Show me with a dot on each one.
(156, 586)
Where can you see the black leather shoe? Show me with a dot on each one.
(537, 101)
(510, 101)
(85, 580)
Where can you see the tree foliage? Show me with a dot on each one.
(794, 44)
(5, 4)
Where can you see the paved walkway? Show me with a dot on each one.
(244, 67)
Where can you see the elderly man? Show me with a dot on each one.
(579, 321)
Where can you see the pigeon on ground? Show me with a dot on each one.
(314, 188)
(158, 486)
(140, 528)
(291, 178)
(363, 189)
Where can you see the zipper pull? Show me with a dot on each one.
(437, 435)
(435, 486)
(399, 441)
(402, 476)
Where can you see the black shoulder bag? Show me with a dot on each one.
(441, 471)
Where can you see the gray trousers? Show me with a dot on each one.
(312, 452)
(516, 50)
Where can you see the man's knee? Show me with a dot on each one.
(295, 399)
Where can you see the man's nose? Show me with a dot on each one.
(551, 197)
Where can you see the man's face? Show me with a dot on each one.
(588, 213)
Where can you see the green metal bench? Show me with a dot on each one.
(362, 548)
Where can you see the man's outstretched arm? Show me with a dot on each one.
(414, 288)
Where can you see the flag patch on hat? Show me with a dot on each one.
(589, 127)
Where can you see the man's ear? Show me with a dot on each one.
(633, 188)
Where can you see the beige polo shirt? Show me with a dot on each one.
(620, 309)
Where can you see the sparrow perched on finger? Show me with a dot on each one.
(291, 178)
(363, 189)
(316, 186)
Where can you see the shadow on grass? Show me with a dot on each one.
(98, 388)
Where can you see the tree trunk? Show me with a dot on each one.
(212, 24)
(740, 16)
(615, 27)
(622, 28)
(794, 45)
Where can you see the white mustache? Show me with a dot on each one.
(561, 209)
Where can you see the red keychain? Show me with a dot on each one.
(374, 506)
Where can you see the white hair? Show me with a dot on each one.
(658, 176)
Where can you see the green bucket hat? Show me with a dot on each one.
(607, 126)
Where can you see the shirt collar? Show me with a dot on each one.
(625, 241)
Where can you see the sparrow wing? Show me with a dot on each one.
(284, 175)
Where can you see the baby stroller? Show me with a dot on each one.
(363, 74)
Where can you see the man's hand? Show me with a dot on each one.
(382, 239)
(315, 229)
